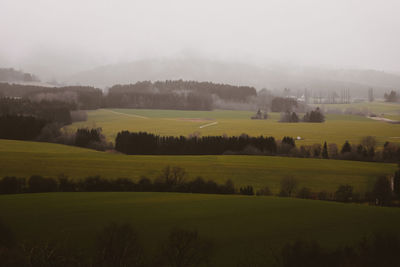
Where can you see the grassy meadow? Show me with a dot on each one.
(379, 108)
(337, 128)
(235, 224)
(20, 158)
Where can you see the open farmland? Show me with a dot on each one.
(235, 224)
(317, 174)
(379, 108)
(336, 129)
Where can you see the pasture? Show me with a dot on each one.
(19, 158)
(235, 224)
(379, 108)
(337, 128)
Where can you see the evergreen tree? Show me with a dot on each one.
(325, 151)
(346, 147)
(294, 117)
(396, 183)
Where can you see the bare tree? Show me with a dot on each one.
(184, 248)
(288, 186)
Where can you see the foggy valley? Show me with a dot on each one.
(200, 133)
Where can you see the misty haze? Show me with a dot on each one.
(199, 133)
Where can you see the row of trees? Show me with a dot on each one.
(222, 91)
(51, 111)
(311, 116)
(188, 95)
(391, 97)
(146, 143)
(82, 97)
(364, 151)
(153, 100)
(171, 179)
(175, 179)
(382, 193)
(12, 75)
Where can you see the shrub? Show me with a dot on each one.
(118, 245)
(184, 248)
(12, 185)
(265, 191)
(247, 190)
(38, 184)
(344, 193)
(304, 193)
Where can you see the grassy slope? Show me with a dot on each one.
(336, 129)
(26, 158)
(235, 223)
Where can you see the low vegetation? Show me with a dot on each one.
(219, 221)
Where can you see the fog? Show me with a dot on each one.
(60, 38)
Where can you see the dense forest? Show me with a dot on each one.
(183, 95)
(223, 91)
(146, 143)
(83, 97)
(22, 119)
(50, 111)
(11, 75)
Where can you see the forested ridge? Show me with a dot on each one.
(187, 95)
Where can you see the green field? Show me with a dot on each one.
(379, 108)
(236, 224)
(21, 158)
(336, 129)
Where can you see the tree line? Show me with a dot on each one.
(12, 75)
(171, 179)
(22, 119)
(156, 100)
(143, 143)
(82, 97)
(385, 191)
(146, 143)
(181, 95)
(391, 97)
(176, 179)
(49, 110)
(310, 116)
(223, 91)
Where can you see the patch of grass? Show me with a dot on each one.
(377, 107)
(337, 128)
(24, 159)
(234, 223)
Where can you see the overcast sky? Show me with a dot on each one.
(72, 35)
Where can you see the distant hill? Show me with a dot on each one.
(273, 77)
(11, 75)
